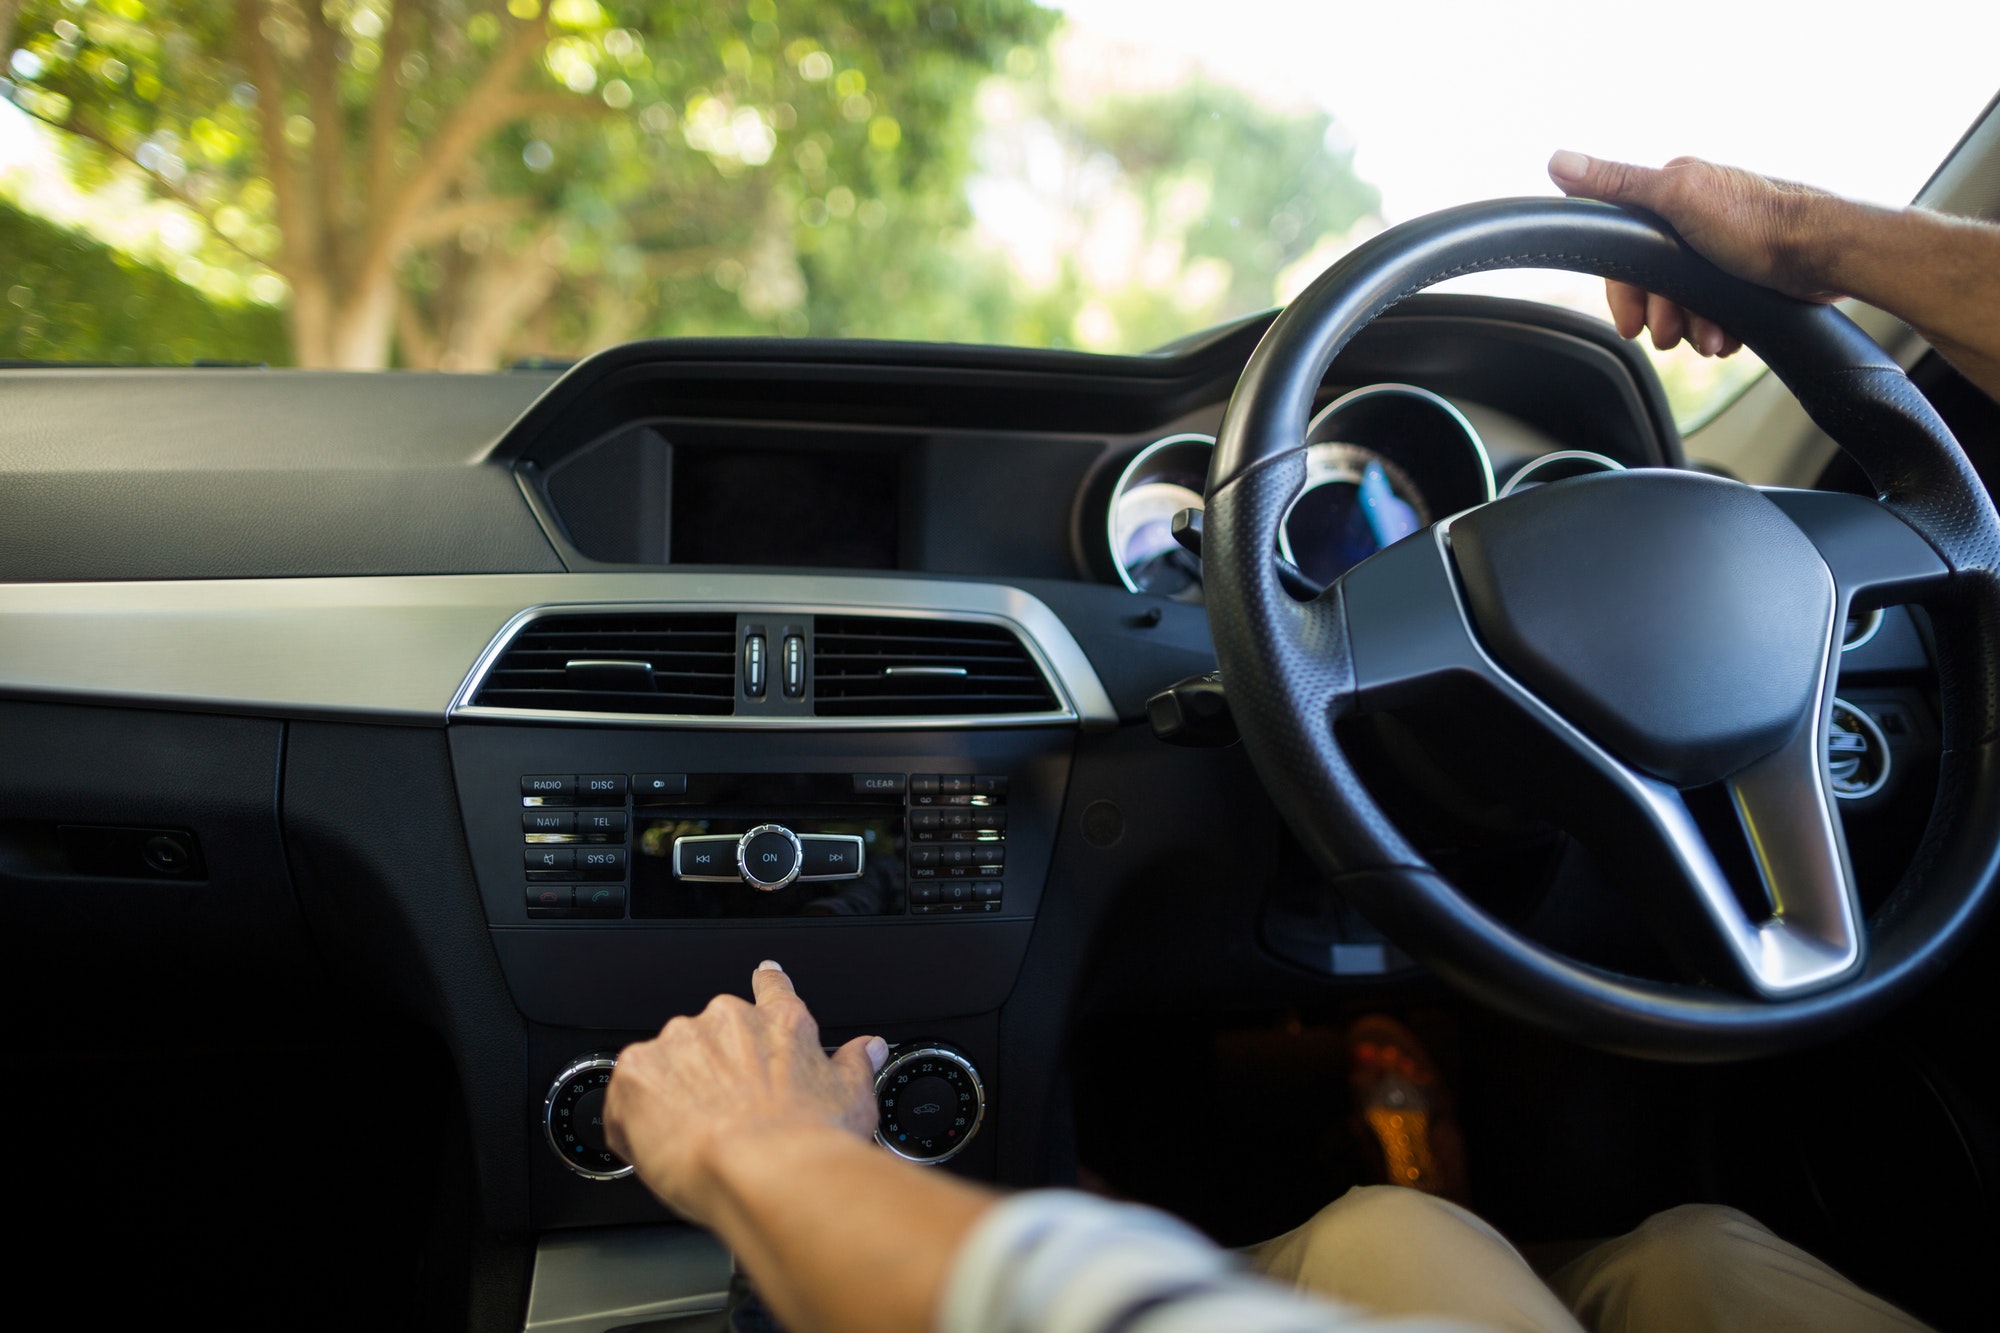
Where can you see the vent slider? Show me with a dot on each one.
(911, 667)
(597, 673)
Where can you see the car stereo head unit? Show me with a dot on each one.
(695, 846)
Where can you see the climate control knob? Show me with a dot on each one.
(573, 1119)
(930, 1102)
(769, 856)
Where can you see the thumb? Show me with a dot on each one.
(1614, 182)
(859, 1059)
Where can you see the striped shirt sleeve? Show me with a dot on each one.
(1055, 1261)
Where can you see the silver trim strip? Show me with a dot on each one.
(1111, 533)
(1871, 625)
(1533, 465)
(399, 648)
(1394, 390)
(860, 856)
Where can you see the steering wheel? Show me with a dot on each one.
(1640, 636)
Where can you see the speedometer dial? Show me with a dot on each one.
(1355, 502)
(1146, 550)
(1164, 478)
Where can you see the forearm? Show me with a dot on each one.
(1938, 274)
(839, 1236)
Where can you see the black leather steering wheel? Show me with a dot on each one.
(1649, 633)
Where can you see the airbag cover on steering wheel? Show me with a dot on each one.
(1681, 620)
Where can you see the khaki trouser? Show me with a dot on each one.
(1689, 1269)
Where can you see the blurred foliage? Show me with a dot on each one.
(461, 183)
(66, 297)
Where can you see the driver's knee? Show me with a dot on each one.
(1399, 1251)
(1367, 1215)
(1706, 1266)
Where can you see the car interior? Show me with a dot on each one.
(383, 752)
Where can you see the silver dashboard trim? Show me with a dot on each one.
(1118, 489)
(1528, 469)
(1391, 389)
(403, 648)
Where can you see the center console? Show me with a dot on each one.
(632, 874)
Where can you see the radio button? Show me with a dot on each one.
(549, 858)
(549, 788)
(923, 784)
(830, 856)
(705, 858)
(547, 821)
(924, 856)
(600, 821)
(926, 892)
(601, 789)
(655, 788)
(989, 854)
(989, 785)
(769, 856)
(987, 890)
(955, 784)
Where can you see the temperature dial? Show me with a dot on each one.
(573, 1117)
(931, 1103)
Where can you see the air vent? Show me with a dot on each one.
(870, 666)
(644, 663)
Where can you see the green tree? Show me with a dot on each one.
(462, 179)
(66, 297)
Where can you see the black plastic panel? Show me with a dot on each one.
(92, 949)
(636, 972)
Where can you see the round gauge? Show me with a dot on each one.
(1558, 466)
(1355, 502)
(1165, 477)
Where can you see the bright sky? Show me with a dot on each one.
(1454, 100)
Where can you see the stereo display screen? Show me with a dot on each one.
(749, 506)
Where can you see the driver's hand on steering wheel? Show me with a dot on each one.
(1748, 225)
(737, 1072)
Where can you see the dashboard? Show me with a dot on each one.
(540, 708)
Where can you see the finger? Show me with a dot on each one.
(1706, 335)
(1730, 346)
(1614, 182)
(859, 1060)
(1666, 321)
(771, 986)
(1628, 307)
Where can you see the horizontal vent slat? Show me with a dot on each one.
(988, 670)
(693, 657)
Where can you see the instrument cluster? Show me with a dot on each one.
(1382, 462)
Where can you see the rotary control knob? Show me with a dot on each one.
(931, 1103)
(573, 1118)
(769, 856)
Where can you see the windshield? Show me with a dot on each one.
(468, 184)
